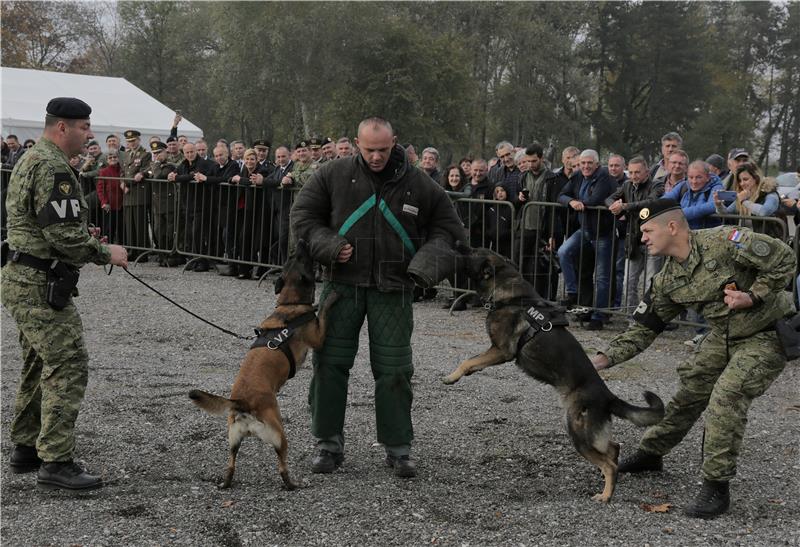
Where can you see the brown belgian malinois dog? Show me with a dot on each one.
(523, 326)
(282, 344)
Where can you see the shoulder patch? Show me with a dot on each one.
(63, 205)
(761, 248)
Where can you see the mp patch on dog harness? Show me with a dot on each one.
(275, 339)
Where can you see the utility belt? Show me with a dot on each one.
(62, 279)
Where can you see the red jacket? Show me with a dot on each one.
(108, 190)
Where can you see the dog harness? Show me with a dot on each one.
(275, 339)
(540, 314)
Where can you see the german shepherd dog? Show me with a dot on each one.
(553, 356)
(252, 408)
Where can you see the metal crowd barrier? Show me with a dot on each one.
(246, 226)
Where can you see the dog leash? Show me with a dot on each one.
(190, 312)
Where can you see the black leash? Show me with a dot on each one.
(171, 301)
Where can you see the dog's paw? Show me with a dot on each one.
(451, 379)
(601, 498)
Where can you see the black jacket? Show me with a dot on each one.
(600, 186)
(635, 197)
(187, 170)
(345, 202)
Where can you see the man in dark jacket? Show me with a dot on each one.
(221, 173)
(538, 222)
(195, 210)
(626, 203)
(597, 228)
(364, 218)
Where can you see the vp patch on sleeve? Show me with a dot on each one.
(63, 204)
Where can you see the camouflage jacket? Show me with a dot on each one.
(47, 213)
(301, 173)
(756, 262)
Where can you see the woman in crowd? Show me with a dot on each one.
(498, 223)
(454, 180)
(109, 194)
(28, 143)
(245, 207)
(755, 196)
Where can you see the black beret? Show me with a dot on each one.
(327, 140)
(262, 142)
(172, 139)
(156, 146)
(657, 207)
(69, 108)
(92, 143)
(302, 144)
(131, 134)
(717, 161)
(315, 142)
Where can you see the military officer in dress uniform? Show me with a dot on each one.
(736, 279)
(136, 197)
(50, 241)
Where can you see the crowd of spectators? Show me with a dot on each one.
(575, 225)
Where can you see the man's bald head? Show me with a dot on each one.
(375, 141)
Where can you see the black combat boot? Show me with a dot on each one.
(326, 461)
(24, 459)
(713, 500)
(67, 475)
(641, 461)
(403, 466)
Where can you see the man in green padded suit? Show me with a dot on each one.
(365, 217)
(50, 241)
(736, 279)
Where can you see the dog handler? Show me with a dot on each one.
(49, 241)
(365, 217)
(736, 279)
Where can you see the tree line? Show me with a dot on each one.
(460, 76)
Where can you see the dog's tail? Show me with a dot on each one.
(638, 415)
(214, 404)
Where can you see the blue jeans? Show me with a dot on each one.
(568, 254)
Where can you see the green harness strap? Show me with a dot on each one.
(362, 210)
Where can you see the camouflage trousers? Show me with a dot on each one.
(54, 373)
(390, 323)
(723, 382)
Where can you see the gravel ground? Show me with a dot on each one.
(495, 464)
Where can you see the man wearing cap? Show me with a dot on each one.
(262, 147)
(736, 279)
(164, 195)
(136, 199)
(328, 150)
(364, 218)
(50, 241)
(717, 165)
(303, 167)
(736, 157)
(315, 145)
(174, 152)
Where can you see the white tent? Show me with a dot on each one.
(116, 104)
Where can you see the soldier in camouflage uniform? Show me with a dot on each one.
(736, 279)
(304, 167)
(49, 240)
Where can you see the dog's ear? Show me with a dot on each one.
(279, 285)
